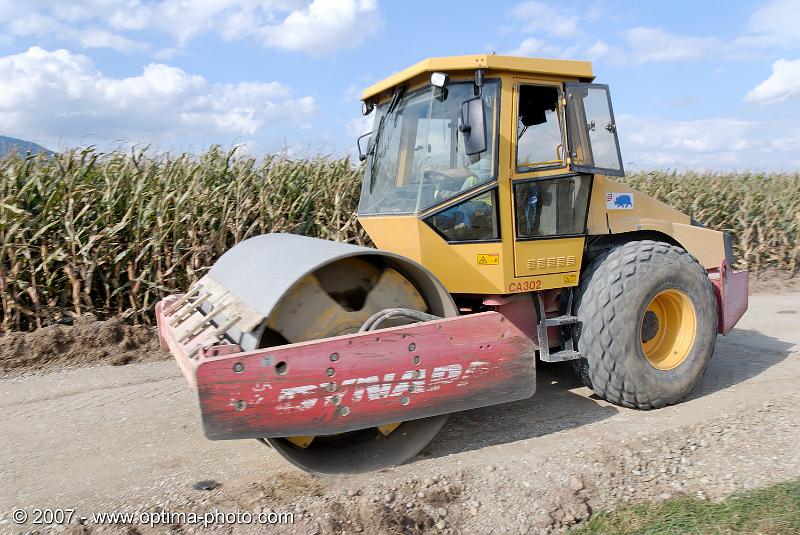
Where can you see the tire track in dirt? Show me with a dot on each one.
(96, 398)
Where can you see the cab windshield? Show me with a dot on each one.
(417, 157)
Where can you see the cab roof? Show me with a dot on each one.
(556, 67)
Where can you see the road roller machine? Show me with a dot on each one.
(503, 240)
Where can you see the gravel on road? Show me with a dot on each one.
(128, 439)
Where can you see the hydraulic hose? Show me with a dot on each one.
(376, 319)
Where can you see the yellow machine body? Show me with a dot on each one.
(509, 263)
(488, 190)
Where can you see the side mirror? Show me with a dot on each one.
(362, 155)
(473, 126)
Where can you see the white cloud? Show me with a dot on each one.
(565, 32)
(559, 32)
(168, 53)
(359, 126)
(714, 143)
(775, 24)
(599, 50)
(700, 136)
(323, 26)
(546, 17)
(38, 25)
(59, 95)
(94, 38)
(316, 27)
(180, 19)
(656, 44)
(783, 84)
(551, 23)
(533, 47)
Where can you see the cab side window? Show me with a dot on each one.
(551, 207)
(540, 136)
(474, 219)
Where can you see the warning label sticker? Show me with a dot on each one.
(619, 201)
(488, 259)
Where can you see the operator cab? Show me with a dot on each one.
(418, 157)
(486, 150)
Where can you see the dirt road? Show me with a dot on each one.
(128, 439)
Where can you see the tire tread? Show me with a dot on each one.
(604, 283)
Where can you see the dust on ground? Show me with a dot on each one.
(88, 342)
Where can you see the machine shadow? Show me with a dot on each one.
(554, 407)
(740, 356)
(557, 406)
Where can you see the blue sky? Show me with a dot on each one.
(708, 84)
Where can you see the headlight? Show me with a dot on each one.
(439, 79)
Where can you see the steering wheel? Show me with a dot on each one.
(437, 177)
(434, 176)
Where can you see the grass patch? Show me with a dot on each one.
(774, 510)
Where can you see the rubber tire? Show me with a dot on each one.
(612, 298)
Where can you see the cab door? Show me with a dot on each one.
(592, 131)
(549, 200)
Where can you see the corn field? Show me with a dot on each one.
(85, 232)
(112, 233)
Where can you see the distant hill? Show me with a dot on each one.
(8, 144)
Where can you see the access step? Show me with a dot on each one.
(560, 356)
(558, 321)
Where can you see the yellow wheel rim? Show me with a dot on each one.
(668, 329)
